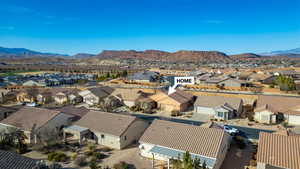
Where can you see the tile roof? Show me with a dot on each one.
(101, 91)
(277, 103)
(279, 150)
(216, 101)
(128, 94)
(179, 96)
(110, 123)
(184, 137)
(28, 117)
(11, 160)
(75, 111)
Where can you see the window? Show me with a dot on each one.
(220, 114)
(102, 136)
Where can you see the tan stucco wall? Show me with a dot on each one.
(133, 133)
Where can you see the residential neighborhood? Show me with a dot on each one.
(208, 122)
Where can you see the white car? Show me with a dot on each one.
(230, 130)
(31, 104)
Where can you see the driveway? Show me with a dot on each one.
(130, 156)
(237, 158)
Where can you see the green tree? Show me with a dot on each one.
(285, 83)
(197, 163)
(187, 161)
(107, 75)
(93, 164)
(124, 73)
(204, 166)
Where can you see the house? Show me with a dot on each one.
(11, 160)
(144, 76)
(76, 112)
(108, 129)
(277, 151)
(27, 96)
(5, 112)
(93, 96)
(36, 122)
(177, 101)
(33, 83)
(275, 109)
(3, 92)
(44, 97)
(218, 107)
(66, 95)
(165, 140)
(269, 80)
(130, 97)
(230, 82)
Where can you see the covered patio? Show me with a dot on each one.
(170, 154)
(77, 131)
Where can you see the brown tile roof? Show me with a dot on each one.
(129, 94)
(111, 123)
(101, 91)
(278, 103)
(28, 117)
(178, 96)
(184, 137)
(75, 111)
(279, 150)
(215, 101)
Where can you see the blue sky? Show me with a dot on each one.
(72, 26)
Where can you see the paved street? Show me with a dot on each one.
(248, 132)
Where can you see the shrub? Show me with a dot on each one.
(253, 162)
(89, 153)
(74, 156)
(175, 113)
(121, 165)
(57, 157)
(98, 155)
(81, 161)
(93, 164)
(106, 149)
(92, 147)
(240, 141)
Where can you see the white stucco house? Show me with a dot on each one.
(275, 109)
(218, 107)
(36, 123)
(109, 129)
(165, 140)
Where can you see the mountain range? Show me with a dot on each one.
(290, 52)
(150, 55)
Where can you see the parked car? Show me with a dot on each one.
(31, 104)
(231, 130)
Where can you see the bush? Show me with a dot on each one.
(253, 162)
(240, 141)
(121, 165)
(92, 147)
(98, 155)
(106, 149)
(81, 161)
(93, 164)
(175, 113)
(74, 156)
(57, 157)
(89, 153)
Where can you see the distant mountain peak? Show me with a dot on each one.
(25, 53)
